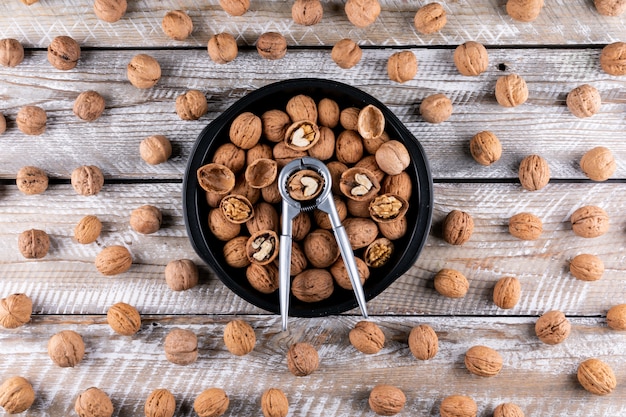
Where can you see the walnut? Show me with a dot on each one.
(394, 229)
(458, 406)
(399, 184)
(93, 402)
(274, 403)
(275, 124)
(336, 169)
(387, 208)
(66, 348)
(301, 107)
(177, 25)
(393, 157)
(590, 221)
(89, 106)
(612, 58)
(239, 337)
(305, 185)
(358, 208)
(262, 247)
(307, 12)
(367, 337)
(245, 130)
(243, 188)
(110, 10)
(191, 105)
(181, 274)
(525, 226)
(362, 13)
(552, 327)
(616, 317)
(113, 260)
(402, 66)
(298, 260)
(63, 53)
(511, 90)
(349, 147)
(451, 283)
(265, 217)
(483, 361)
(222, 48)
(485, 148)
(160, 403)
(16, 395)
(324, 148)
(321, 248)
(586, 267)
(379, 252)
(155, 149)
(371, 122)
(271, 45)
(471, 58)
(328, 113)
(508, 410)
(236, 208)
(610, 7)
(430, 18)
(301, 226)
(33, 243)
(372, 145)
(231, 156)
(235, 252)
(386, 400)
(216, 178)
(346, 53)
(323, 220)
(31, 120)
(312, 285)
(221, 228)
(506, 292)
(340, 273)
(235, 7)
(302, 135)
(423, 342)
(263, 278)
(181, 346)
(598, 164)
(258, 151)
(369, 163)
(143, 71)
(29, 2)
(596, 376)
(87, 180)
(361, 232)
(534, 173)
(584, 101)
(11, 52)
(31, 180)
(436, 108)
(146, 219)
(302, 359)
(524, 10)
(349, 118)
(15, 311)
(458, 227)
(124, 319)
(212, 402)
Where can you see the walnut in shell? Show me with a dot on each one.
(590, 221)
(33, 243)
(485, 148)
(222, 48)
(393, 157)
(236, 253)
(534, 173)
(63, 53)
(113, 260)
(274, 403)
(552, 327)
(349, 147)
(3, 124)
(387, 208)
(236, 208)
(15, 310)
(598, 163)
(511, 90)
(302, 135)
(160, 403)
(507, 292)
(328, 113)
(346, 53)
(362, 13)
(458, 227)
(312, 285)
(349, 118)
(307, 12)
(483, 361)
(423, 342)
(451, 283)
(146, 219)
(239, 337)
(584, 101)
(235, 7)
(458, 406)
(302, 359)
(324, 149)
(610, 7)
(361, 232)
(430, 18)
(367, 337)
(143, 71)
(124, 319)
(321, 248)
(181, 346)
(616, 317)
(402, 66)
(508, 410)
(245, 130)
(31, 120)
(340, 273)
(221, 227)
(274, 125)
(271, 45)
(525, 226)
(386, 400)
(586, 267)
(93, 402)
(265, 218)
(191, 105)
(87, 180)
(212, 402)
(596, 376)
(263, 278)
(89, 106)
(16, 395)
(471, 58)
(612, 58)
(31, 180)
(66, 348)
(399, 184)
(181, 274)
(110, 10)
(155, 149)
(524, 10)
(177, 25)
(436, 108)
(11, 52)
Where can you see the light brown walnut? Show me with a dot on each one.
(63, 53)
(430, 18)
(349, 118)
(15, 310)
(31, 120)
(399, 184)
(221, 228)
(89, 106)
(16, 395)
(458, 227)
(222, 48)
(586, 267)
(312, 285)
(402, 66)
(155, 149)
(534, 173)
(436, 108)
(274, 403)
(160, 403)
(362, 13)
(485, 148)
(263, 278)
(124, 319)
(349, 147)
(181, 274)
(340, 273)
(483, 361)
(471, 58)
(177, 25)
(361, 231)
(87, 180)
(93, 402)
(346, 53)
(590, 221)
(110, 10)
(423, 342)
(33, 243)
(507, 292)
(239, 337)
(235, 7)
(596, 376)
(321, 248)
(143, 71)
(245, 130)
(584, 101)
(307, 12)
(31, 180)
(113, 260)
(386, 400)
(191, 105)
(324, 149)
(235, 252)
(511, 90)
(274, 125)
(451, 283)
(302, 359)
(393, 157)
(458, 406)
(612, 58)
(11, 52)
(598, 163)
(212, 402)
(66, 348)
(610, 7)
(508, 410)
(181, 346)
(525, 226)
(216, 178)
(367, 337)
(271, 45)
(553, 327)
(616, 317)
(146, 219)
(265, 218)
(524, 10)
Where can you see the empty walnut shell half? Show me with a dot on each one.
(305, 185)
(371, 122)
(388, 208)
(378, 252)
(262, 247)
(359, 184)
(261, 172)
(236, 208)
(216, 178)
(302, 135)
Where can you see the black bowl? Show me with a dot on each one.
(275, 96)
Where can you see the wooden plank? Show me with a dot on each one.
(543, 125)
(66, 281)
(561, 22)
(129, 368)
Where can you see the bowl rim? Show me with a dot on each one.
(198, 157)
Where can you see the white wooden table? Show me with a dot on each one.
(556, 53)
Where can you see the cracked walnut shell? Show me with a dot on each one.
(524, 10)
(93, 402)
(302, 359)
(16, 395)
(430, 18)
(31, 120)
(143, 71)
(110, 10)
(596, 376)
(367, 337)
(362, 13)
(458, 406)
(124, 319)
(212, 402)
(31, 180)
(160, 403)
(612, 58)
(471, 58)
(113, 260)
(307, 12)
(423, 342)
(177, 25)
(586, 267)
(33, 243)
(584, 101)
(598, 164)
(511, 90)
(222, 48)
(402, 66)
(346, 53)
(274, 403)
(552, 327)
(483, 361)
(11, 52)
(507, 292)
(590, 221)
(216, 178)
(451, 283)
(66, 348)
(63, 53)
(15, 310)
(525, 226)
(87, 180)
(181, 346)
(458, 227)
(534, 173)
(239, 337)
(386, 400)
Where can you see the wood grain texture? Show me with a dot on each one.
(561, 22)
(128, 368)
(543, 125)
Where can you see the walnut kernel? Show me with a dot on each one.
(379, 252)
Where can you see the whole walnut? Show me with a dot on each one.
(302, 359)
(124, 319)
(29, 2)
(349, 147)
(31, 120)
(596, 376)
(367, 337)
(31, 180)
(340, 273)
(146, 219)
(483, 361)
(16, 395)
(321, 248)
(423, 342)
(386, 400)
(155, 149)
(89, 106)
(610, 7)
(15, 310)
(191, 105)
(346, 53)
(586, 267)
(436, 108)
(113, 260)
(302, 107)
(235, 7)
(143, 71)
(393, 157)
(263, 278)
(212, 402)
(525, 226)
(312, 285)
(87, 180)
(362, 13)
(508, 410)
(534, 173)
(485, 148)
(616, 317)
(160, 403)
(181, 346)
(33, 243)
(471, 58)
(361, 232)
(245, 130)
(11, 52)
(458, 406)
(222, 228)
(430, 18)
(93, 402)
(402, 66)
(612, 58)
(181, 274)
(177, 25)
(507, 292)
(239, 337)
(584, 101)
(307, 12)
(274, 403)
(451, 283)
(458, 227)
(63, 53)
(88, 229)
(271, 45)
(598, 163)
(524, 10)
(590, 221)
(110, 10)
(222, 48)
(511, 90)
(66, 348)
(328, 113)
(552, 327)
